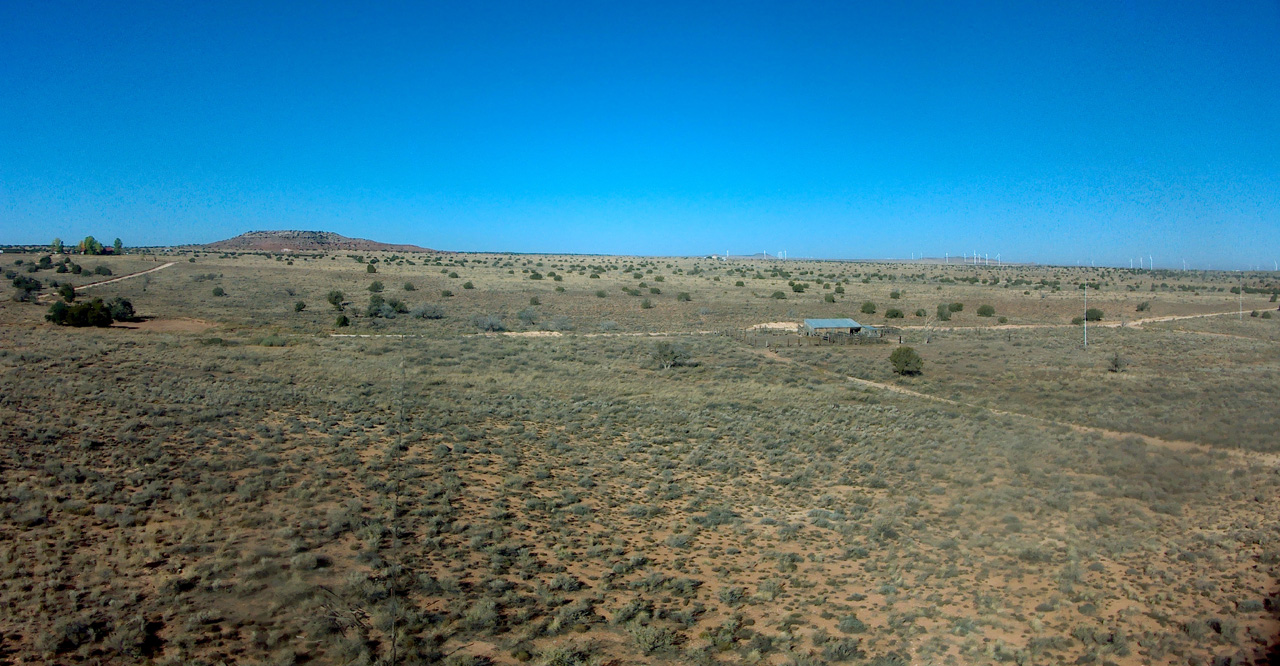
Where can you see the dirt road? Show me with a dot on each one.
(125, 277)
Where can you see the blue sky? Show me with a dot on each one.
(1083, 132)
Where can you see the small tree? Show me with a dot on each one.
(428, 311)
(342, 321)
(93, 313)
(944, 312)
(299, 306)
(488, 323)
(335, 299)
(1116, 363)
(370, 268)
(906, 361)
(667, 355)
(57, 246)
(986, 311)
(376, 287)
(121, 310)
(118, 246)
(868, 308)
(1093, 314)
(67, 292)
(219, 291)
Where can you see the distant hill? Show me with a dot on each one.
(304, 241)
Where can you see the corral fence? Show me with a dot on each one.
(782, 338)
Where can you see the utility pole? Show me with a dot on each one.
(1241, 295)
(1086, 314)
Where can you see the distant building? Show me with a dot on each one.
(831, 327)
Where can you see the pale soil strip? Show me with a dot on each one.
(126, 277)
(1136, 323)
(45, 298)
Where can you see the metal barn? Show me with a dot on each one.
(826, 327)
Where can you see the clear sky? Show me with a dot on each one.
(1051, 132)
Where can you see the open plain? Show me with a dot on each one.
(506, 458)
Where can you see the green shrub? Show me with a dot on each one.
(1093, 314)
(667, 355)
(739, 283)
(101, 270)
(906, 361)
(335, 299)
(120, 309)
(600, 293)
(219, 291)
(798, 287)
(684, 296)
(93, 313)
(445, 293)
(370, 268)
(895, 294)
(299, 306)
(920, 312)
(1003, 320)
(955, 307)
(376, 287)
(986, 311)
(67, 292)
(428, 311)
(342, 321)
(868, 308)
(944, 313)
(829, 298)
(488, 323)
(646, 304)
(533, 300)
(1144, 306)
(893, 313)
(778, 295)
(408, 286)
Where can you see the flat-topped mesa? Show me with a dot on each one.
(305, 241)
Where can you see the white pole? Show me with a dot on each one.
(1086, 314)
